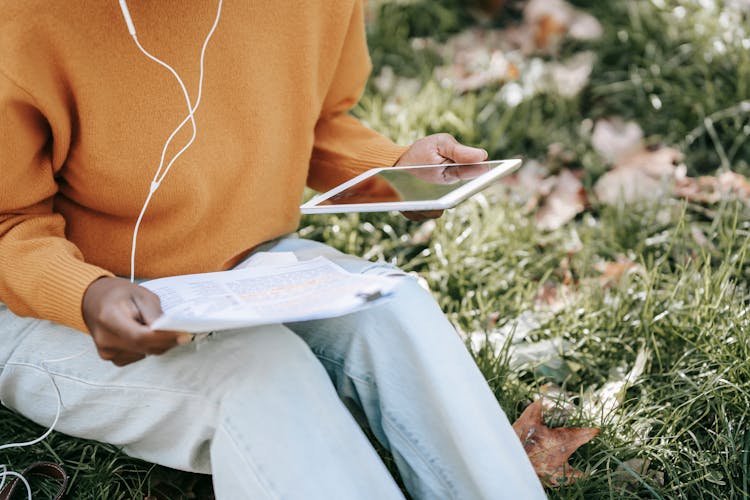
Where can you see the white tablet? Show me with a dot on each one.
(419, 187)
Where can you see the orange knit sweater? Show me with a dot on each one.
(84, 115)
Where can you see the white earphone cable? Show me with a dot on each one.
(4, 472)
(192, 108)
(156, 181)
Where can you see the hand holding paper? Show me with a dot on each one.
(259, 295)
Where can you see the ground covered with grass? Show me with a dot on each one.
(625, 309)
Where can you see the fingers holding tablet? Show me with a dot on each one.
(415, 188)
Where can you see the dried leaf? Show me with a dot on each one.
(549, 449)
(612, 272)
(614, 138)
(584, 26)
(641, 175)
(556, 404)
(702, 189)
(553, 297)
(480, 57)
(570, 77)
(628, 186)
(732, 182)
(601, 403)
(567, 199)
(628, 473)
(477, 58)
(528, 185)
(549, 31)
(709, 189)
(553, 19)
(657, 163)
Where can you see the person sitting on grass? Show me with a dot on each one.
(271, 411)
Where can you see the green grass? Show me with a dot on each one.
(687, 310)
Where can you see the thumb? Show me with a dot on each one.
(148, 304)
(450, 148)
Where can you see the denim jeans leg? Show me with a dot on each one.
(424, 398)
(253, 406)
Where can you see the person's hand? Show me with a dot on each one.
(117, 313)
(433, 150)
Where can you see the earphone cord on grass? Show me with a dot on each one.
(4, 472)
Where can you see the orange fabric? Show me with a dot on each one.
(84, 115)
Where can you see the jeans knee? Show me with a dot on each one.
(272, 362)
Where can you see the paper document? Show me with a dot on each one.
(260, 295)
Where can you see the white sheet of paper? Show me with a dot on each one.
(259, 295)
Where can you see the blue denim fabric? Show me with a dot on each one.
(272, 411)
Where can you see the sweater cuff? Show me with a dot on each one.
(383, 153)
(66, 283)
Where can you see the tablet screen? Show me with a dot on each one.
(405, 184)
(419, 187)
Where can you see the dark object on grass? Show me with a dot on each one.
(47, 469)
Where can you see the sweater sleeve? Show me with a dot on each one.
(344, 147)
(42, 274)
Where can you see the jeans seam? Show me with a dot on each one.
(438, 474)
(347, 372)
(246, 455)
(104, 386)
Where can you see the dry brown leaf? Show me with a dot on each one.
(571, 76)
(566, 200)
(556, 404)
(531, 183)
(628, 186)
(702, 189)
(477, 59)
(548, 32)
(734, 183)
(658, 163)
(553, 19)
(612, 272)
(549, 297)
(641, 175)
(628, 473)
(614, 138)
(549, 449)
(710, 189)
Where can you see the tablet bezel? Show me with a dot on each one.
(448, 200)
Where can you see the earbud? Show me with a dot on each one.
(126, 15)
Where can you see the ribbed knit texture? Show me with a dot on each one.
(84, 115)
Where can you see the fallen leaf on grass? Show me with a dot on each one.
(710, 189)
(554, 297)
(612, 272)
(556, 404)
(614, 138)
(571, 76)
(630, 473)
(478, 57)
(642, 175)
(549, 449)
(551, 20)
(601, 403)
(567, 199)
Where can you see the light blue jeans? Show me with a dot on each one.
(272, 411)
